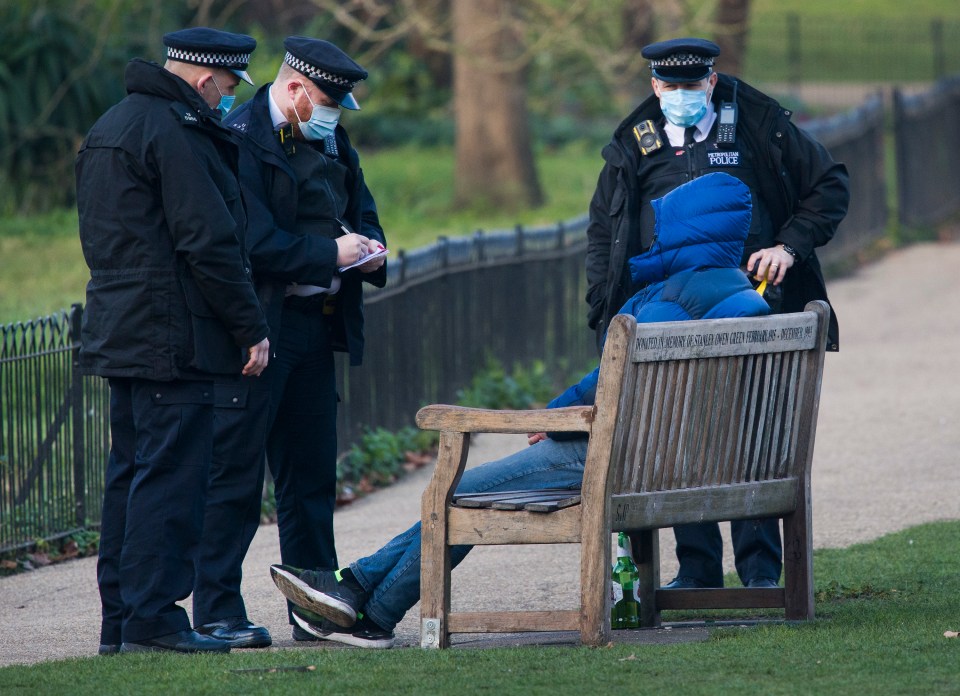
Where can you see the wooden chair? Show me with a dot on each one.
(694, 421)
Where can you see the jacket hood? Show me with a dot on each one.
(701, 224)
(145, 77)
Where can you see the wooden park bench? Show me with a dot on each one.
(694, 421)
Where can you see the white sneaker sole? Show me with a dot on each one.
(345, 638)
(301, 594)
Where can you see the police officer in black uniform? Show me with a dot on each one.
(698, 121)
(170, 308)
(309, 215)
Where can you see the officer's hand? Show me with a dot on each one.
(770, 264)
(259, 356)
(534, 438)
(350, 247)
(373, 246)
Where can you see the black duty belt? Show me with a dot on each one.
(321, 303)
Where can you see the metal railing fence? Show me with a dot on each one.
(856, 138)
(927, 136)
(54, 433)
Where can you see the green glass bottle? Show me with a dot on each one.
(624, 612)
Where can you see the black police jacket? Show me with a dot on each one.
(161, 222)
(803, 189)
(279, 254)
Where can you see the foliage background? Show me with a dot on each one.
(63, 61)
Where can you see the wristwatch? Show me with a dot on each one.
(790, 250)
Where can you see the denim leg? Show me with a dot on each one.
(700, 552)
(757, 550)
(391, 575)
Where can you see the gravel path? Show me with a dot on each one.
(886, 458)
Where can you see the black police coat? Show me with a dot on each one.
(803, 189)
(279, 254)
(161, 222)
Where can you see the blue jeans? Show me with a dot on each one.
(391, 575)
(757, 551)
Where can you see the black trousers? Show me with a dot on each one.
(156, 480)
(232, 512)
(302, 441)
(757, 551)
(291, 412)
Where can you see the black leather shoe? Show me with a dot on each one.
(685, 584)
(762, 582)
(237, 632)
(108, 649)
(186, 641)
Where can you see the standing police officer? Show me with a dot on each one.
(170, 306)
(309, 214)
(697, 122)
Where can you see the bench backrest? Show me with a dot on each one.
(711, 419)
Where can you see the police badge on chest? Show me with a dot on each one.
(723, 158)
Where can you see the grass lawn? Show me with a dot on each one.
(882, 610)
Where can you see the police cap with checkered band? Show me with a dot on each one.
(212, 48)
(329, 68)
(681, 60)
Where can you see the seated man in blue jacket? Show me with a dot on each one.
(691, 272)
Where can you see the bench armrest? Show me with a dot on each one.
(461, 419)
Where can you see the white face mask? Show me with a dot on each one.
(322, 122)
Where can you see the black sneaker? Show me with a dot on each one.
(319, 592)
(300, 635)
(363, 634)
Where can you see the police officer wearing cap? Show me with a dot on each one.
(310, 214)
(170, 309)
(698, 121)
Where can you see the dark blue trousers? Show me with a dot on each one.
(302, 441)
(757, 551)
(156, 480)
(232, 513)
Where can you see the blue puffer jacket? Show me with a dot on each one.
(692, 269)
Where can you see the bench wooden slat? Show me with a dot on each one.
(513, 621)
(707, 504)
(478, 526)
(726, 598)
(553, 505)
(488, 499)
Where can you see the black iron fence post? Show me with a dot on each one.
(939, 51)
(77, 417)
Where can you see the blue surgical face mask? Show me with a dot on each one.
(322, 122)
(226, 101)
(683, 107)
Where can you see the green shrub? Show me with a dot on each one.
(494, 388)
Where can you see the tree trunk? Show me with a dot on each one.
(494, 155)
(733, 20)
(637, 19)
